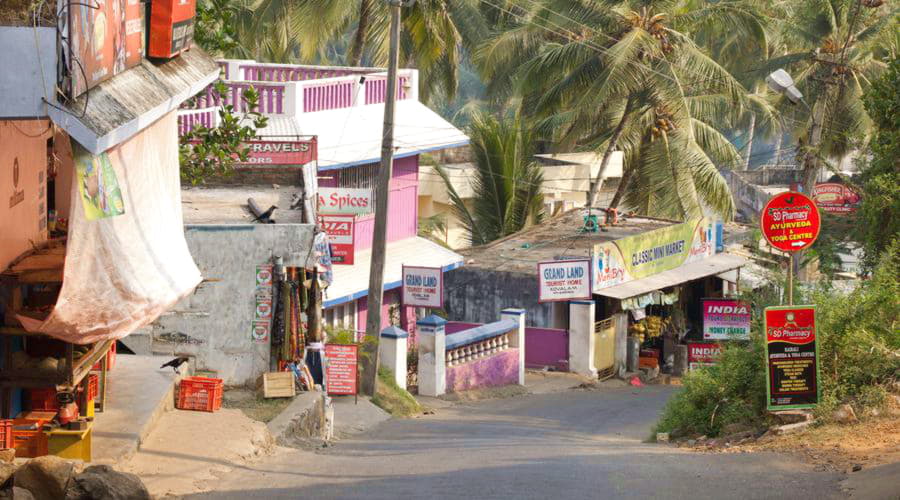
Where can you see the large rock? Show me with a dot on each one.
(101, 482)
(16, 493)
(47, 477)
(6, 472)
(8, 455)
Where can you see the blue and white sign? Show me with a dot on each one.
(564, 280)
(423, 287)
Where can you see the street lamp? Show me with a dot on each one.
(780, 81)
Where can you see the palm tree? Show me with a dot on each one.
(837, 50)
(627, 75)
(433, 33)
(507, 181)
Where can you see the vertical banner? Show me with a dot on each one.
(561, 280)
(792, 353)
(423, 286)
(726, 319)
(98, 185)
(264, 310)
(340, 231)
(340, 368)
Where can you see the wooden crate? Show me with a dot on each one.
(278, 385)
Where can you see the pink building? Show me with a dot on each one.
(343, 109)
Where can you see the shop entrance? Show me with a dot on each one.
(605, 346)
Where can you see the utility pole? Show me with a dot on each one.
(379, 239)
(811, 156)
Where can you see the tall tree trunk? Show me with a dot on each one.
(623, 186)
(751, 132)
(604, 163)
(355, 54)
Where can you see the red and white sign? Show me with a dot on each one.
(345, 201)
(792, 357)
(836, 198)
(703, 354)
(790, 221)
(340, 368)
(274, 153)
(340, 231)
(726, 319)
(561, 280)
(423, 286)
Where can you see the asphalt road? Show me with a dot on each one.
(573, 444)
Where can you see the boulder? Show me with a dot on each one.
(102, 482)
(792, 416)
(7, 456)
(845, 415)
(16, 493)
(45, 477)
(6, 472)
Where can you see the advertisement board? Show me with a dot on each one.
(790, 221)
(642, 255)
(345, 201)
(276, 153)
(341, 368)
(340, 231)
(106, 37)
(703, 354)
(836, 198)
(423, 286)
(792, 371)
(725, 319)
(264, 309)
(561, 280)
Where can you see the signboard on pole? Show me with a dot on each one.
(645, 254)
(423, 286)
(341, 368)
(561, 280)
(345, 201)
(792, 374)
(340, 230)
(703, 354)
(790, 221)
(726, 319)
(836, 198)
(273, 153)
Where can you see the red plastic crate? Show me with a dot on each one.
(110, 359)
(93, 386)
(28, 438)
(42, 399)
(200, 394)
(6, 436)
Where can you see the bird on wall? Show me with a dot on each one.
(175, 363)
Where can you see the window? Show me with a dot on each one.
(342, 316)
(361, 177)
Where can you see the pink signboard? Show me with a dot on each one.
(726, 319)
(340, 231)
(340, 368)
(703, 354)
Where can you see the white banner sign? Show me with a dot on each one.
(423, 287)
(345, 201)
(564, 280)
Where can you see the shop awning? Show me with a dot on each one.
(688, 272)
(352, 282)
(352, 136)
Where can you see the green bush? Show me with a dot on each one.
(859, 354)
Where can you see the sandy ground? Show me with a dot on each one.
(190, 451)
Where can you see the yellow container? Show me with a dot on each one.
(89, 411)
(70, 444)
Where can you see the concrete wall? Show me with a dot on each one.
(25, 62)
(475, 295)
(496, 370)
(214, 323)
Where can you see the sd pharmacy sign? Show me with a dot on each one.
(790, 222)
(423, 287)
(564, 280)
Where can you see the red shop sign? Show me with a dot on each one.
(340, 368)
(790, 221)
(792, 354)
(836, 198)
(279, 153)
(340, 231)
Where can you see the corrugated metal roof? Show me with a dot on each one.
(352, 282)
(122, 106)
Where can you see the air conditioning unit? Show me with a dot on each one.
(171, 27)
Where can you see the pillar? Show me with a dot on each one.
(392, 352)
(518, 337)
(432, 356)
(581, 337)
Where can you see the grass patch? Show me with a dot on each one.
(391, 398)
(254, 405)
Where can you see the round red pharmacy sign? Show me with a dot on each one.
(790, 221)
